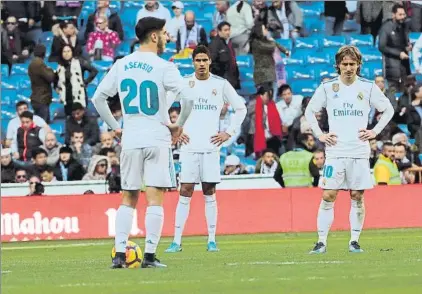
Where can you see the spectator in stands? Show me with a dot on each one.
(52, 148)
(241, 18)
(416, 20)
(14, 123)
(65, 33)
(263, 47)
(395, 46)
(8, 167)
(389, 93)
(154, 9)
(220, 14)
(114, 21)
(21, 176)
(59, 10)
(296, 125)
(319, 158)
(116, 110)
(82, 151)
(405, 100)
(374, 153)
(335, 13)
(223, 56)
(35, 186)
(177, 22)
(372, 14)
(403, 163)
(14, 46)
(47, 174)
(98, 168)
(417, 53)
(28, 137)
(25, 12)
(267, 164)
(191, 34)
(106, 142)
(289, 107)
(79, 120)
(414, 117)
(71, 83)
(39, 161)
(388, 131)
(261, 128)
(232, 166)
(41, 77)
(386, 171)
(284, 19)
(297, 167)
(257, 7)
(67, 168)
(411, 151)
(102, 42)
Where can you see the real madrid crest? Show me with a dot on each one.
(360, 96)
(191, 84)
(214, 92)
(336, 87)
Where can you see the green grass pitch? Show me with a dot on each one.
(270, 263)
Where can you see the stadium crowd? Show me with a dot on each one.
(275, 131)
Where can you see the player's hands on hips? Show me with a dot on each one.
(220, 138)
(118, 133)
(329, 139)
(183, 139)
(366, 135)
(176, 131)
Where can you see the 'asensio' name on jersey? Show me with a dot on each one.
(140, 65)
(347, 110)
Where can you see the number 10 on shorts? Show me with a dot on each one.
(327, 172)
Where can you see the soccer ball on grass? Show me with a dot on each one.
(133, 255)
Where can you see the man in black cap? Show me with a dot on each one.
(67, 168)
(79, 120)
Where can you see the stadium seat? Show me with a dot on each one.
(124, 48)
(239, 150)
(171, 48)
(333, 41)
(286, 43)
(245, 61)
(246, 75)
(167, 55)
(91, 110)
(8, 96)
(420, 157)
(96, 81)
(185, 71)
(57, 111)
(247, 88)
(11, 82)
(371, 54)
(46, 37)
(208, 10)
(318, 58)
(23, 95)
(128, 17)
(102, 65)
(133, 4)
(115, 6)
(304, 87)
(20, 69)
(404, 129)
(58, 127)
(295, 72)
(4, 70)
(4, 124)
(89, 6)
(183, 63)
(413, 37)
(53, 65)
(295, 59)
(309, 43)
(91, 90)
(206, 24)
(314, 25)
(361, 40)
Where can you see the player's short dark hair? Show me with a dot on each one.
(105, 151)
(47, 168)
(283, 88)
(38, 151)
(21, 103)
(396, 7)
(18, 169)
(77, 106)
(387, 144)
(146, 26)
(27, 114)
(265, 88)
(201, 49)
(77, 130)
(399, 144)
(222, 24)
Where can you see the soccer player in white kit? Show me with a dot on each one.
(200, 158)
(348, 100)
(142, 80)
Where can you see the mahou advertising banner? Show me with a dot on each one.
(240, 212)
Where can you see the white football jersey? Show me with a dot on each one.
(142, 80)
(348, 108)
(204, 120)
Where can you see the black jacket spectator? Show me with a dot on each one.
(224, 60)
(13, 43)
(87, 124)
(8, 167)
(114, 24)
(54, 10)
(29, 10)
(414, 120)
(65, 33)
(393, 39)
(75, 171)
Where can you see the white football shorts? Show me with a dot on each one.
(203, 167)
(152, 166)
(346, 174)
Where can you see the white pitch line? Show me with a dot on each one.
(54, 246)
(6, 272)
(285, 262)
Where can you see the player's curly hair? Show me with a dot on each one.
(353, 52)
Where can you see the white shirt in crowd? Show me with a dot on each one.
(204, 120)
(348, 108)
(417, 53)
(15, 123)
(281, 13)
(288, 113)
(240, 22)
(142, 80)
(175, 24)
(161, 12)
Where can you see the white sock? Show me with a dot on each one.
(124, 217)
(182, 213)
(356, 217)
(154, 219)
(211, 213)
(324, 220)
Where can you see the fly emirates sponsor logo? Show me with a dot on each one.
(347, 110)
